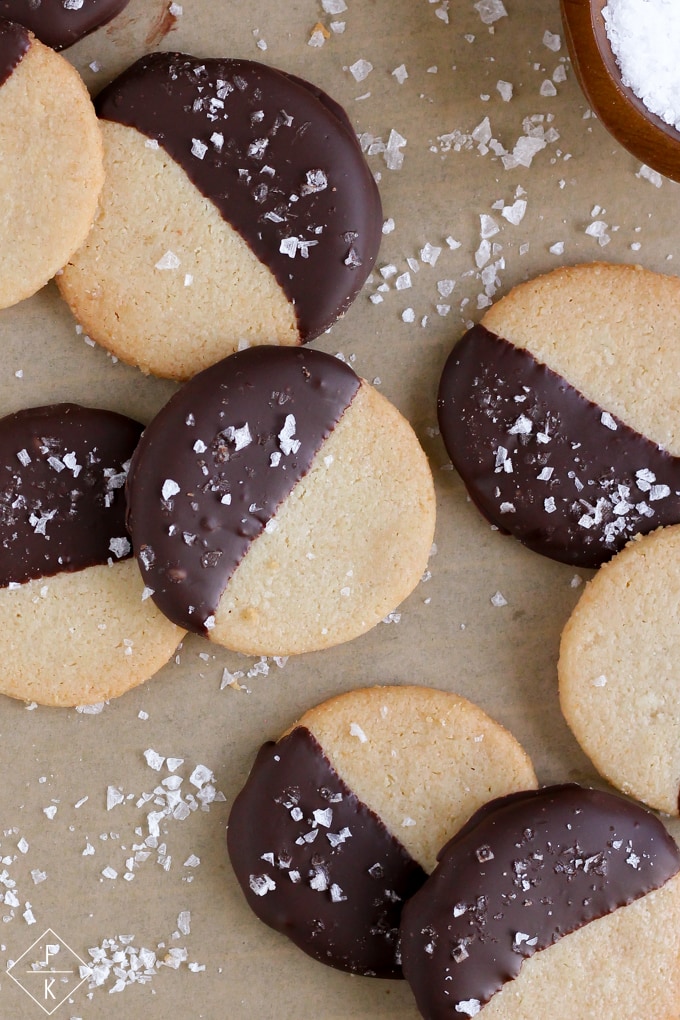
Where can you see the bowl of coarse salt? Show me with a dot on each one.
(626, 54)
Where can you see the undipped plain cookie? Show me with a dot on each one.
(51, 171)
(75, 626)
(558, 410)
(280, 504)
(555, 903)
(619, 670)
(238, 210)
(342, 817)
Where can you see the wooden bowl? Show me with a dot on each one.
(625, 116)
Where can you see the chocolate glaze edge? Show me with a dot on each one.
(15, 42)
(507, 419)
(278, 136)
(225, 484)
(526, 870)
(334, 889)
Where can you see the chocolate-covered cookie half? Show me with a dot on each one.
(279, 504)
(557, 410)
(261, 226)
(560, 902)
(60, 23)
(339, 820)
(75, 626)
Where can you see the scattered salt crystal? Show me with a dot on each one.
(515, 213)
(400, 73)
(154, 760)
(50, 811)
(361, 69)
(168, 261)
(429, 254)
(388, 226)
(600, 681)
(490, 10)
(356, 731)
(113, 797)
(505, 90)
(547, 88)
(408, 315)
(653, 176)
(110, 872)
(552, 41)
(557, 248)
(498, 600)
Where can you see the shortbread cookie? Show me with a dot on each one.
(261, 226)
(60, 23)
(342, 817)
(560, 903)
(51, 170)
(280, 504)
(558, 410)
(619, 670)
(75, 626)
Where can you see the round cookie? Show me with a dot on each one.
(51, 170)
(562, 902)
(619, 670)
(60, 23)
(558, 411)
(279, 504)
(341, 818)
(261, 225)
(75, 624)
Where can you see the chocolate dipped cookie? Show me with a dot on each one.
(51, 171)
(75, 624)
(60, 23)
(562, 902)
(559, 410)
(279, 504)
(619, 670)
(238, 210)
(341, 819)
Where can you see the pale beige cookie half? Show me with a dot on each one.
(164, 282)
(51, 171)
(612, 331)
(344, 549)
(623, 966)
(422, 759)
(619, 670)
(83, 637)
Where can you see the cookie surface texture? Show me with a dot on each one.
(619, 670)
(536, 902)
(60, 23)
(51, 160)
(544, 417)
(256, 172)
(74, 623)
(351, 806)
(263, 495)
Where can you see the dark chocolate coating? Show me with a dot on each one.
(62, 499)
(498, 407)
(58, 25)
(317, 864)
(14, 44)
(288, 166)
(526, 870)
(190, 542)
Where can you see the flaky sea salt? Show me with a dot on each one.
(645, 38)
